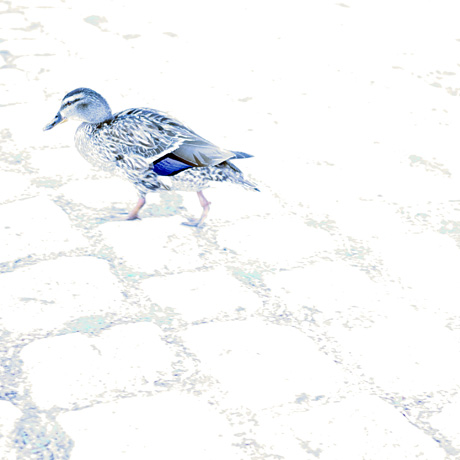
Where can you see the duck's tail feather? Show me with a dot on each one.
(250, 185)
(240, 155)
(236, 176)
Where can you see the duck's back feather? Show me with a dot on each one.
(153, 134)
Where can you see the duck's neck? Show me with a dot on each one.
(100, 113)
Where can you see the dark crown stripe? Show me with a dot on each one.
(66, 104)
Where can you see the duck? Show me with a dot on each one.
(149, 148)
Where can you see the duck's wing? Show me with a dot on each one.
(149, 137)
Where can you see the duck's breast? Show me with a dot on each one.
(93, 149)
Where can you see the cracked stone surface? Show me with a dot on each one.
(26, 229)
(122, 359)
(315, 319)
(261, 368)
(47, 296)
(364, 427)
(146, 427)
(208, 294)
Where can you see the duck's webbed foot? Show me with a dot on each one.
(133, 215)
(206, 205)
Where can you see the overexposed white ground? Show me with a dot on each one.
(317, 319)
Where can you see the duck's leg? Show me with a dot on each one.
(205, 204)
(133, 214)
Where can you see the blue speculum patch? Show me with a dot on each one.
(170, 165)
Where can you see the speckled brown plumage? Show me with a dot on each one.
(147, 147)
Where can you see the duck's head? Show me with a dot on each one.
(82, 104)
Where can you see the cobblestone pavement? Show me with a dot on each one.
(317, 319)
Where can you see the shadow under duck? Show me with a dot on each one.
(144, 146)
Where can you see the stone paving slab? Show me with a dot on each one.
(410, 352)
(75, 370)
(167, 426)
(278, 241)
(431, 274)
(14, 186)
(359, 427)
(328, 287)
(258, 363)
(102, 192)
(26, 229)
(59, 161)
(46, 296)
(366, 219)
(202, 295)
(154, 244)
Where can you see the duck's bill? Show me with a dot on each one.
(57, 120)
